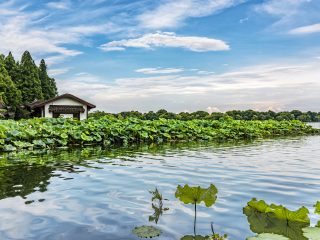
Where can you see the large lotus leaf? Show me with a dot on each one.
(194, 195)
(266, 223)
(49, 141)
(147, 231)
(260, 206)
(312, 233)
(268, 236)
(301, 215)
(317, 206)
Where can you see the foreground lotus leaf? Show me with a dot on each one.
(194, 195)
(317, 206)
(146, 231)
(268, 236)
(312, 233)
(191, 237)
(277, 220)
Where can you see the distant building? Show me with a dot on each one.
(66, 105)
(4, 109)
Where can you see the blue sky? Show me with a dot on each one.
(180, 55)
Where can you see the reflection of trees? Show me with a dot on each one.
(21, 180)
(262, 223)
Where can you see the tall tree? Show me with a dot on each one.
(53, 88)
(29, 85)
(11, 96)
(45, 80)
(13, 69)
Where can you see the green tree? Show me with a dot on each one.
(45, 81)
(12, 95)
(13, 69)
(53, 88)
(29, 85)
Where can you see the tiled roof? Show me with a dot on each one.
(66, 108)
(5, 113)
(3, 106)
(35, 103)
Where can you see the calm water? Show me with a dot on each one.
(96, 193)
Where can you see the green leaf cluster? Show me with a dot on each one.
(63, 131)
(264, 218)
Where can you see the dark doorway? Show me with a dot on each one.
(76, 115)
(56, 115)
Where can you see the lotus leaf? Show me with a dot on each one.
(1, 141)
(317, 206)
(268, 236)
(301, 215)
(312, 233)
(39, 143)
(260, 206)
(191, 237)
(64, 135)
(146, 231)
(84, 137)
(197, 194)
(267, 222)
(9, 147)
(77, 135)
(15, 133)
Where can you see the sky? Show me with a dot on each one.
(178, 55)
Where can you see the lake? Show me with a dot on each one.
(102, 193)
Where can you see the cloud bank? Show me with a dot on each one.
(166, 39)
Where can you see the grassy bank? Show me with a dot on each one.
(49, 132)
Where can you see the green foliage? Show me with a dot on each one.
(268, 236)
(311, 233)
(194, 195)
(110, 130)
(317, 206)
(11, 95)
(276, 219)
(156, 195)
(30, 84)
(146, 231)
(47, 92)
(248, 115)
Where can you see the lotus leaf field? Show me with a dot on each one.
(51, 132)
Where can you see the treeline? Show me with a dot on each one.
(24, 81)
(247, 115)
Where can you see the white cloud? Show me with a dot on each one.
(318, 58)
(85, 77)
(60, 5)
(281, 7)
(242, 20)
(262, 87)
(212, 109)
(20, 31)
(173, 13)
(306, 29)
(205, 72)
(56, 72)
(159, 39)
(159, 70)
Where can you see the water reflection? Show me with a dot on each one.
(102, 193)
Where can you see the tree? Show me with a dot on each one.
(13, 69)
(45, 81)
(29, 85)
(11, 95)
(53, 88)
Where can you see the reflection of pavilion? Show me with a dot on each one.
(4, 109)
